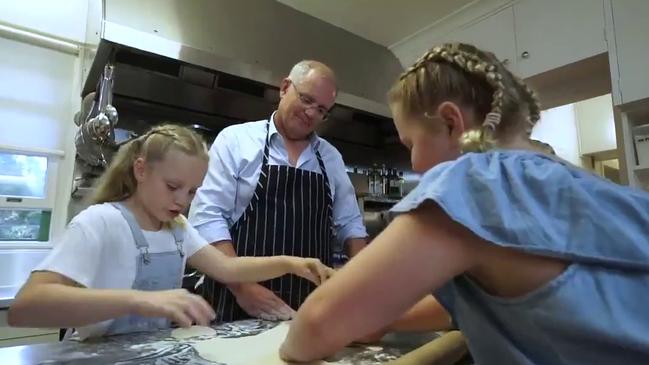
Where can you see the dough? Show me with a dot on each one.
(260, 349)
(193, 331)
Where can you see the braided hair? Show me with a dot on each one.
(118, 181)
(474, 78)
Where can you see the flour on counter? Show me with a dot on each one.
(193, 331)
(259, 349)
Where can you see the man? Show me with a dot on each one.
(275, 188)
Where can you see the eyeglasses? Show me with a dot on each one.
(310, 103)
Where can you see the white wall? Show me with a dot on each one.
(558, 127)
(63, 18)
(40, 88)
(596, 124)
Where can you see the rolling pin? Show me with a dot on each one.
(444, 350)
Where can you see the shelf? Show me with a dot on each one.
(379, 199)
(640, 129)
(642, 172)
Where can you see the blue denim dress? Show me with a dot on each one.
(597, 310)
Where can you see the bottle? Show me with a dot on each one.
(374, 180)
(366, 176)
(385, 181)
(394, 184)
(379, 182)
(402, 182)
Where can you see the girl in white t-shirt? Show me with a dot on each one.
(118, 267)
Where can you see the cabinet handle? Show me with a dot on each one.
(525, 54)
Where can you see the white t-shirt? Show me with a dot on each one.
(98, 251)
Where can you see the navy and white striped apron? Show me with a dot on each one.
(290, 213)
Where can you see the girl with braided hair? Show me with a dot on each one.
(537, 261)
(118, 267)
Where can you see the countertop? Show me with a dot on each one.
(158, 348)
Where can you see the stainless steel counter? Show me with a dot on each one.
(160, 349)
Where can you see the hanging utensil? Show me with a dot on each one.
(111, 113)
(96, 133)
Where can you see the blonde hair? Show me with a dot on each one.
(543, 147)
(118, 182)
(474, 78)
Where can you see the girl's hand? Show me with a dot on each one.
(310, 269)
(178, 305)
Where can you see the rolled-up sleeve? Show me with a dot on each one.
(348, 221)
(214, 203)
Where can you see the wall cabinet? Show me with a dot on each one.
(535, 36)
(554, 33)
(627, 29)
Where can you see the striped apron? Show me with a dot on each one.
(290, 213)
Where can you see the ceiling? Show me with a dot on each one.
(386, 22)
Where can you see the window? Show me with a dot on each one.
(25, 224)
(22, 176)
(27, 191)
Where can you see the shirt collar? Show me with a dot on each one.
(314, 140)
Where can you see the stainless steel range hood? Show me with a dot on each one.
(172, 62)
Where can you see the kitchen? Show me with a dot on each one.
(209, 64)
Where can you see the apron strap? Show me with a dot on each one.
(324, 171)
(330, 208)
(317, 155)
(136, 231)
(264, 164)
(179, 237)
(140, 241)
(264, 173)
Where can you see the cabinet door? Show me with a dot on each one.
(554, 33)
(596, 125)
(494, 34)
(631, 58)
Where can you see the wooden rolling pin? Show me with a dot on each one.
(444, 350)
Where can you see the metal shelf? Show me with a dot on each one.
(379, 199)
(640, 129)
(641, 172)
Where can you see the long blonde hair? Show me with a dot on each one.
(118, 181)
(467, 75)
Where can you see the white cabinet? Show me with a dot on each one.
(494, 34)
(596, 125)
(628, 33)
(534, 36)
(554, 33)
(634, 126)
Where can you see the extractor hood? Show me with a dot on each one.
(161, 76)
